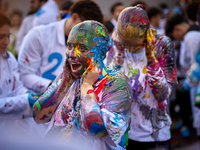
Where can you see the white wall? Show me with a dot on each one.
(104, 4)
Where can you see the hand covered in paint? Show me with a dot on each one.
(33, 97)
(91, 74)
(119, 53)
(151, 42)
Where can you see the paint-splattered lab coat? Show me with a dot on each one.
(113, 96)
(151, 85)
(13, 100)
(14, 104)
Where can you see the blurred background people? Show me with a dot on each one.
(27, 23)
(64, 11)
(15, 100)
(16, 19)
(115, 10)
(154, 15)
(47, 13)
(43, 50)
(178, 29)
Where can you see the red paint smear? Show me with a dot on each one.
(27, 60)
(90, 91)
(14, 84)
(100, 87)
(174, 73)
(93, 117)
(161, 105)
(97, 29)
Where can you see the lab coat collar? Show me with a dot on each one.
(61, 32)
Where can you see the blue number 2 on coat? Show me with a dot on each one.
(48, 74)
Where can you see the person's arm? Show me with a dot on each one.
(29, 60)
(112, 117)
(91, 110)
(46, 105)
(18, 106)
(159, 85)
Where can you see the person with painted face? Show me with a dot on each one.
(148, 61)
(42, 53)
(87, 101)
(15, 100)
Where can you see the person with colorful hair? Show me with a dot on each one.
(87, 101)
(148, 61)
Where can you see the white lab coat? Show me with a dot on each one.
(14, 104)
(13, 100)
(42, 55)
(25, 27)
(46, 14)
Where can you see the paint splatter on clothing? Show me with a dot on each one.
(113, 96)
(151, 86)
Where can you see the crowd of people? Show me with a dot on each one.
(71, 74)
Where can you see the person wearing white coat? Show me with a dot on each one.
(15, 100)
(47, 13)
(43, 50)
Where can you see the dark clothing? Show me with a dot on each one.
(194, 28)
(164, 145)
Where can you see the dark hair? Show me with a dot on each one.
(163, 5)
(109, 26)
(191, 11)
(113, 7)
(88, 10)
(43, 0)
(66, 5)
(139, 2)
(4, 20)
(173, 21)
(153, 11)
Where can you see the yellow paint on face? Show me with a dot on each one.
(77, 52)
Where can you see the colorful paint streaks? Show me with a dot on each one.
(98, 103)
(151, 69)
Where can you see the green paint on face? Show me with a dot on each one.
(100, 31)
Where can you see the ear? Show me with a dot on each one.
(75, 17)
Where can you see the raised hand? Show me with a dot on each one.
(150, 47)
(33, 97)
(91, 74)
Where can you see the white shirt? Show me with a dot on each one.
(114, 22)
(13, 97)
(192, 41)
(25, 27)
(46, 14)
(42, 55)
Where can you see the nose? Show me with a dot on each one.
(72, 54)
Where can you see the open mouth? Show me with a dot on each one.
(75, 66)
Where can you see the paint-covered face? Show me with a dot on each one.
(80, 42)
(118, 49)
(132, 26)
